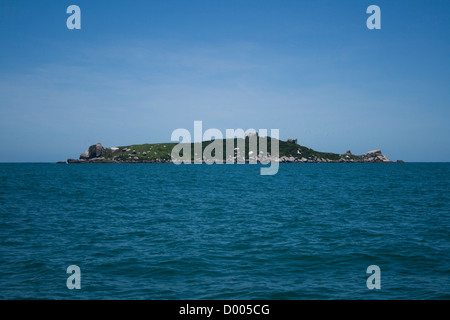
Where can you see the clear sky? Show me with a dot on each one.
(137, 70)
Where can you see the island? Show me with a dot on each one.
(289, 152)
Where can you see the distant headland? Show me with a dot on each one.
(289, 152)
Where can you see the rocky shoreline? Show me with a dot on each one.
(99, 154)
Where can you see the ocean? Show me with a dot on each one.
(162, 231)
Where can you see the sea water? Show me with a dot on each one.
(162, 231)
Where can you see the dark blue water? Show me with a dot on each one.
(161, 231)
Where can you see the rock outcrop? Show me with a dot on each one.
(375, 156)
(85, 155)
(96, 151)
(294, 141)
(92, 155)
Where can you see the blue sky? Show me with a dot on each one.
(137, 70)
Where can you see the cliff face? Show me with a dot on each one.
(289, 152)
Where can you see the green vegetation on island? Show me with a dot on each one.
(289, 151)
